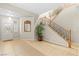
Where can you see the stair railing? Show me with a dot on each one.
(65, 34)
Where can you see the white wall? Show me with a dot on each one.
(5, 32)
(27, 35)
(29, 15)
(9, 30)
(69, 19)
(16, 30)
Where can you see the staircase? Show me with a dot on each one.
(62, 32)
(52, 36)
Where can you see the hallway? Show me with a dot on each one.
(34, 48)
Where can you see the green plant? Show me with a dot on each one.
(39, 29)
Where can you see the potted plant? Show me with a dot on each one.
(39, 31)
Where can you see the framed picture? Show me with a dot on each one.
(27, 26)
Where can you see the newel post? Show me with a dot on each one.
(69, 39)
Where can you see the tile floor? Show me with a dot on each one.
(35, 48)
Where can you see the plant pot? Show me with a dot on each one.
(40, 38)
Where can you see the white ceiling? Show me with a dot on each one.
(37, 8)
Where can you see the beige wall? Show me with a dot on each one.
(69, 19)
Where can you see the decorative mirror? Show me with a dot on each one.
(27, 26)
